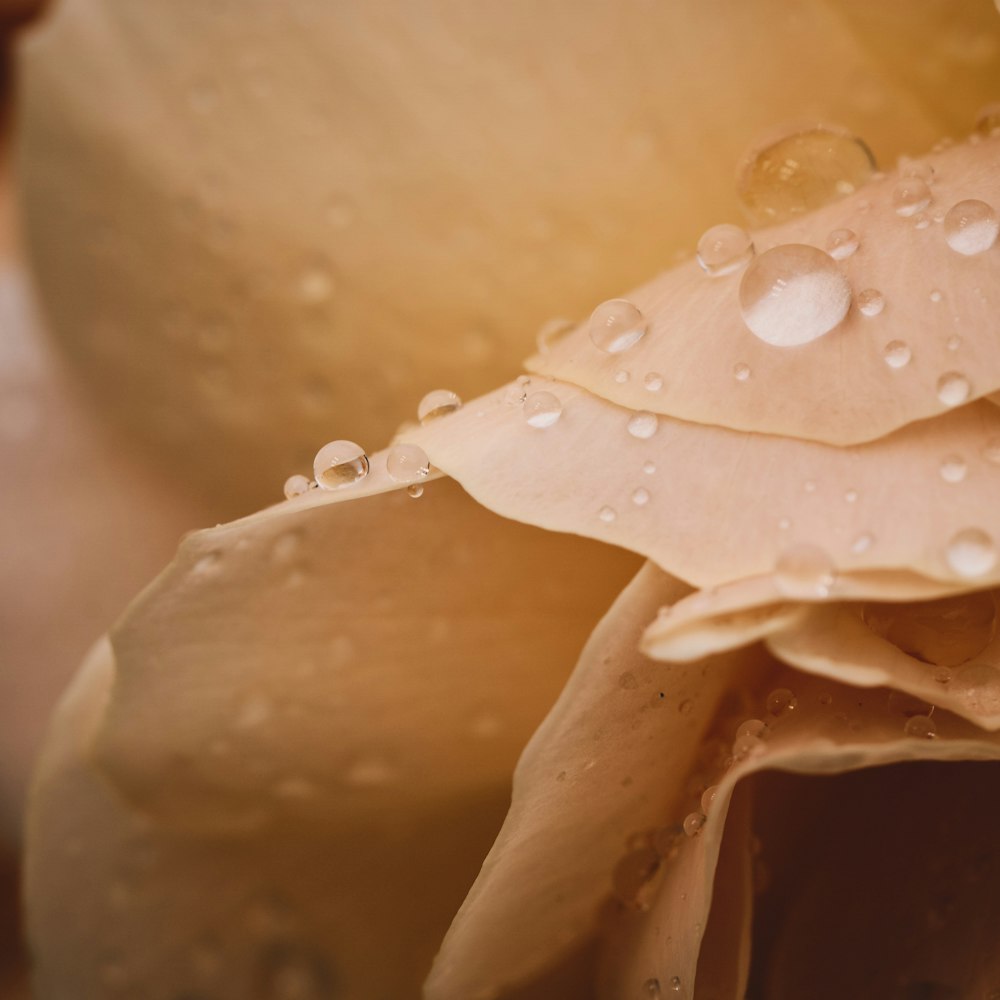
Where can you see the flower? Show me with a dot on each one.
(307, 721)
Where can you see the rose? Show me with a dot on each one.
(182, 807)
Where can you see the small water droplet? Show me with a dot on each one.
(954, 342)
(911, 195)
(438, 403)
(651, 989)
(607, 514)
(936, 296)
(650, 467)
(871, 302)
(643, 424)
(622, 376)
(724, 249)
(841, 243)
(653, 381)
(640, 497)
(793, 294)
(616, 325)
(755, 728)
(340, 463)
(781, 701)
(675, 984)
(551, 332)
(415, 490)
(862, 543)
(953, 389)
(693, 823)
(850, 496)
(971, 227)
(921, 221)
(953, 468)
(971, 553)
(897, 354)
(542, 409)
(295, 486)
(804, 571)
(801, 168)
(406, 463)
(741, 371)
(921, 727)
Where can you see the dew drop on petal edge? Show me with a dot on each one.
(971, 227)
(339, 464)
(724, 249)
(616, 325)
(542, 409)
(804, 571)
(295, 486)
(406, 463)
(693, 823)
(971, 553)
(792, 294)
(438, 403)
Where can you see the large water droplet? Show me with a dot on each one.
(643, 424)
(871, 302)
(911, 195)
(616, 325)
(438, 403)
(793, 294)
(802, 168)
(971, 553)
(407, 463)
(804, 571)
(693, 823)
(295, 486)
(953, 389)
(841, 243)
(340, 463)
(724, 249)
(542, 409)
(971, 227)
(897, 354)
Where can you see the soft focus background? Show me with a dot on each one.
(253, 227)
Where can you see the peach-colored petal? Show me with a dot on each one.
(314, 714)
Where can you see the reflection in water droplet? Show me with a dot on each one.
(971, 553)
(781, 701)
(653, 381)
(841, 243)
(921, 727)
(406, 463)
(800, 169)
(897, 354)
(871, 301)
(438, 403)
(953, 468)
(616, 325)
(741, 371)
(804, 571)
(911, 195)
(643, 425)
(340, 463)
(295, 486)
(724, 249)
(953, 389)
(793, 294)
(542, 409)
(971, 227)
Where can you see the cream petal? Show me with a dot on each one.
(838, 388)
(605, 767)
(582, 473)
(314, 714)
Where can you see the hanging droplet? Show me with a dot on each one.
(653, 381)
(438, 403)
(781, 701)
(693, 823)
(799, 169)
(616, 325)
(741, 371)
(295, 486)
(804, 571)
(607, 514)
(542, 409)
(971, 227)
(406, 463)
(871, 302)
(724, 249)
(921, 727)
(841, 243)
(640, 497)
(793, 294)
(643, 424)
(953, 389)
(988, 120)
(897, 354)
(415, 490)
(340, 463)
(971, 553)
(912, 195)
(953, 468)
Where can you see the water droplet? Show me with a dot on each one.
(406, 463)
(616, 325)
(633, 876)
(542, 409)
(954, 342)
(708, 797)
(295, 486)
(942, 675)
(651, 989)
(801, 168)
(793, 294)
(640, 497)
(643, 424)
(953, 389)
(920, 221)
(850, 496)
(415, 490)
(746, 747)
(650, 467)
(971, 553)
(921, 727)
(340, 463)
(871, 301)
(755, 728)
(622, 376)
(653, 381)
(862, 543)
(675, 984)
(781, 701)
(607, 514)
(988, 120)
(741, 371)
(724, 249)
(936, 296)
(841, 243)
(552, 331)
(971, 227)
(693, 823)
(804, 571)
(438, 403)
(897, 354)
(912, 195)
(953, 469)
